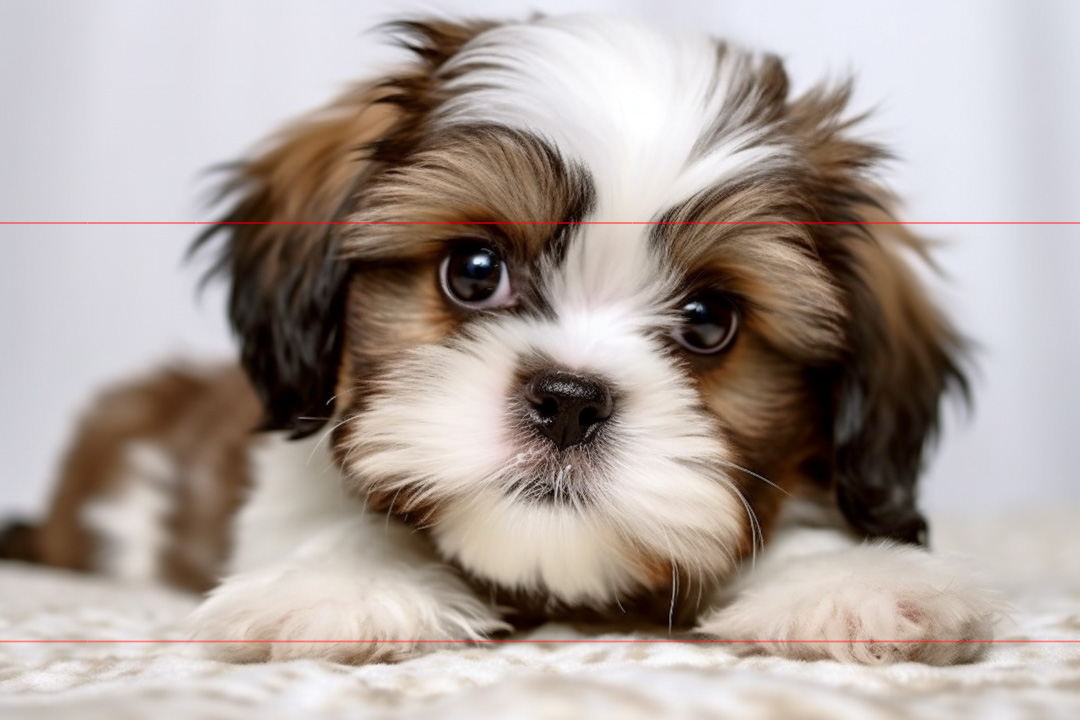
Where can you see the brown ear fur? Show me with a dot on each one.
(279, 246)
(902, 356)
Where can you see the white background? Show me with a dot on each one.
(111, 110)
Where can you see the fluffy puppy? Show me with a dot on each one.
(579, 318)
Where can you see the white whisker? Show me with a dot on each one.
(390, 510)
(326, 434)
(674, 591)
(764, 479)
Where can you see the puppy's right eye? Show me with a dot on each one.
(476, 277)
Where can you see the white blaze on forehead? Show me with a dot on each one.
(628, 102)
(611, 279)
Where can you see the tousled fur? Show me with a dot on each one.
(617, 171)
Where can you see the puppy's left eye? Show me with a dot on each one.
(709, 324)
(476, 276)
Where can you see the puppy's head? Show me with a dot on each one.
(588, 301)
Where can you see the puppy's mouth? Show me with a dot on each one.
(572, 477)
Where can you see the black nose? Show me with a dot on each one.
(568, 408)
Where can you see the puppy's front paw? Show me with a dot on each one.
(328, 612)
(874, 604)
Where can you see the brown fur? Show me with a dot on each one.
(290, 284)
(201, 420)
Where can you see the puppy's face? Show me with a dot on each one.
(568, 403)
(579, 314)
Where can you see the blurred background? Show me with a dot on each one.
(112, 110)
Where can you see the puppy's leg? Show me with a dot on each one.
(313, 567)
(373, 590)
(874, 603)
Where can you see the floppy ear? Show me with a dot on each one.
(280, 246)
(901, 356)
(903, 359)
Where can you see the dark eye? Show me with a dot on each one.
(475, 276)
(709, 324)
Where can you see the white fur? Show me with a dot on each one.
(296, 493)
(129, 521)
(313, 565)
(817, 593)
(627, 101)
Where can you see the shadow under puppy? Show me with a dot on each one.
(564, 318)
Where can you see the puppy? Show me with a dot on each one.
(569, 318)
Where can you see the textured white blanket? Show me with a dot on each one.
(1034, 561)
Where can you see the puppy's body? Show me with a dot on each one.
(147, 490)
(597, 316)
